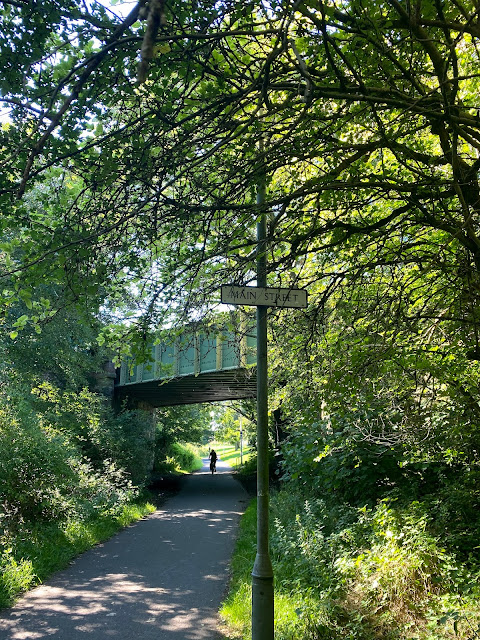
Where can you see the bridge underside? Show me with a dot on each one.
(215, 386)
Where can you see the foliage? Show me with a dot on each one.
(345, 573)
(176, 458)
(15, 577)
(183, 423)
(128, 438)
(141, 196)
(230, 419)
(84, 418)
(62, 352)
(51, 547)
(250, 467)
(37, 470)
(44, 477)
(371, 165)
(134, 194)
(227, 425)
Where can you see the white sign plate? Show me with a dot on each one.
(264, 296)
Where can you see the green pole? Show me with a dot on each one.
(262, 574)
(241, 442)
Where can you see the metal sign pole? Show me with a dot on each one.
(262, 574)
(241, 441)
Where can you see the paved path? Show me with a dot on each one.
(162, 578)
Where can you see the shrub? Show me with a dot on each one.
(126, 438)
(36, 474)
(401, 568)
(175, 458)
(343, 573)
(129, 439)
(43, 476)
(15, 577)
(307, 538)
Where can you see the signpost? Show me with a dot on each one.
(241, 441)
(262, 573)
(262, 297)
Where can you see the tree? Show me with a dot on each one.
(231, 418)
(364, 119)
(182, 423)
(368, 128)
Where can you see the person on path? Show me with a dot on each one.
(213, 460)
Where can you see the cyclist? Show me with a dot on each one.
(213, 460)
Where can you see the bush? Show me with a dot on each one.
(129, 439)
(44, 478)
(370, 572)
(176, 458)
(54, 502)
(346, 573)
(330, 456)
(400, 568)
(455, 510)
(36, 470)
(126, 438)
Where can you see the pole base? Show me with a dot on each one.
(262, 608)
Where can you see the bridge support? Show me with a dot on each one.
(104, 380)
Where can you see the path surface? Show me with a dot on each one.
(162, 578)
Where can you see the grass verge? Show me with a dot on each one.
(179, 458)
(236, 610)
(230, 455)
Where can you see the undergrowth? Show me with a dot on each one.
(177, 459)
(344, 573)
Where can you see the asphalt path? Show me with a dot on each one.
(161, 578)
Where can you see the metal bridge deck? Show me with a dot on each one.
(193, 368)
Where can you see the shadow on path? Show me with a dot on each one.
(163, 577)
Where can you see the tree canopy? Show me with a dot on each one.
(363, 117)
(135, 144)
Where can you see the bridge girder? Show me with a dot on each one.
(194, 368)
(215, 386)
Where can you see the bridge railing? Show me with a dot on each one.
(193, 353)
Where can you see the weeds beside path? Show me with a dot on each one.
(353, 574)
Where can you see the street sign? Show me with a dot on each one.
(264, 296)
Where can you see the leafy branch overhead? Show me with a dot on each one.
(368, 118)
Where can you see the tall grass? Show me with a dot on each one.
(177, 458)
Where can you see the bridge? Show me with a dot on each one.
(195, 367)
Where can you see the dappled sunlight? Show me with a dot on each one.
(162, 578)
(102, 605)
